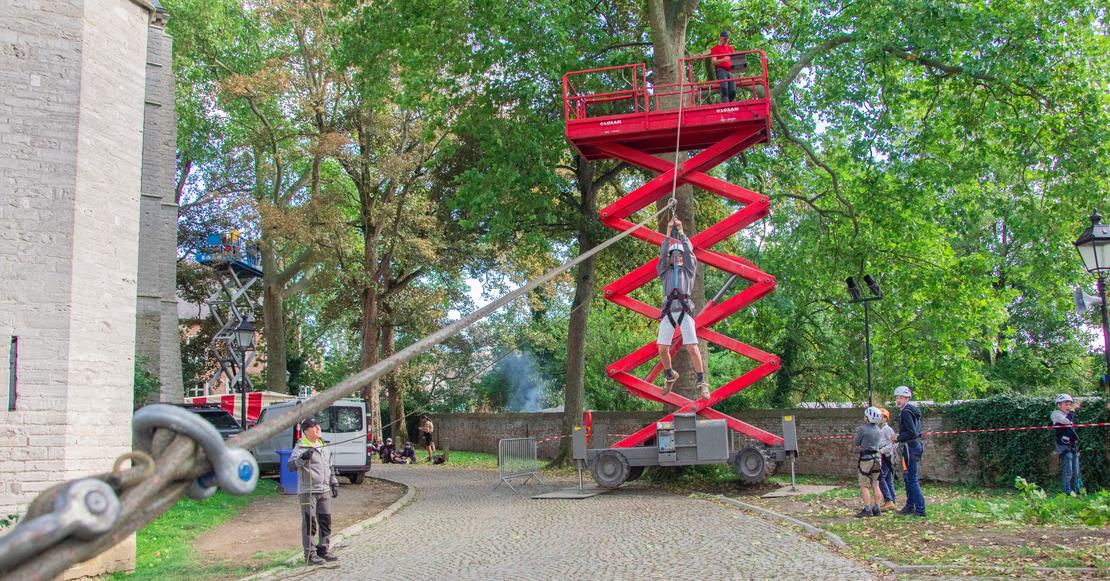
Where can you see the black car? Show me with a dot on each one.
(217, 416)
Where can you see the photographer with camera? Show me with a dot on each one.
(317, 485)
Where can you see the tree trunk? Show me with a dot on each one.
(584, 279)
(395, 390)
(273, 307)
(371, 394)
(668, 20)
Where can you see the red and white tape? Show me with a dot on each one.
(979, 431)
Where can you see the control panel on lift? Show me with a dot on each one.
(664, 435)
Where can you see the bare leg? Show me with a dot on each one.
(695, 358)
(665, 355)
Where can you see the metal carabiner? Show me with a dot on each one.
(233, 469)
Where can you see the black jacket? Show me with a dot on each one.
(909, 423)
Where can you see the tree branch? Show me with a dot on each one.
(302, 261)
(609, 175)
(807, 148)
(806, 59)
(909, 56)
(181, 180)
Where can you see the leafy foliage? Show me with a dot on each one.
(146, 382)
(1006, 456)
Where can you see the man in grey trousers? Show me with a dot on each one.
(316, 479)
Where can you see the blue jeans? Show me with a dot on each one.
(886, 480)
(912, 453)
(1069, 466)
(728, 90)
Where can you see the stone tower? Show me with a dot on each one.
(74, 104)
(157, 339)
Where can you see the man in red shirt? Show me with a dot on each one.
(722, 64)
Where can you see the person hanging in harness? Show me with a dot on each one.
(869, 465)
(676, 268)
(312, 461)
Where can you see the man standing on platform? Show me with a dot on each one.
(722, 65)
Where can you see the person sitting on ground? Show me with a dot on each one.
(887, 453)
(387, 452)
(408, 454)
(868, 465)
(676, 268)
(1067, 443)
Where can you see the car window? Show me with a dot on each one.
(262, 416)
(348, 419)
(221, 419)
(324, 418)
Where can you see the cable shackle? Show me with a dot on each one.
(85, 508)
(233, 469)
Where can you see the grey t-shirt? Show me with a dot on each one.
(868, 437)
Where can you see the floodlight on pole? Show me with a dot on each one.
(857, 297)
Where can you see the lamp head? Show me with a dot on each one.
(853, 289)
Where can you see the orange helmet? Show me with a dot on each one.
(886, 413)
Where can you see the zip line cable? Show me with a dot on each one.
(178, 465)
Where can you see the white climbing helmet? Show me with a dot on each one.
(1063, 397)
(873, 414)
(676, 247)
(903, 391)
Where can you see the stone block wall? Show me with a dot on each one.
(72, 79)
(158, 341)
(817, 454)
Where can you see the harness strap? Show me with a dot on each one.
(682, 298)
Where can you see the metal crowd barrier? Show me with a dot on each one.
(516, 458)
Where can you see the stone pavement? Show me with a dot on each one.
(457, 527)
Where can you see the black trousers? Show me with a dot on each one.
(315, 518)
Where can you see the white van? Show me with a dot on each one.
(343, 427)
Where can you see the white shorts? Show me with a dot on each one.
(666, 330)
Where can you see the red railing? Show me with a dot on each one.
(632, 93)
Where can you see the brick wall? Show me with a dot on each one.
(480, 432)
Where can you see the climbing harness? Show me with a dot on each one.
(683, 300)
(74, 521)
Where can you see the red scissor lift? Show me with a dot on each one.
(628, 123)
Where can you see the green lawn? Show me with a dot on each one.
(165, 546)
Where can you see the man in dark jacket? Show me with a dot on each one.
(312, 461)
(909, 438)
(1067, 442)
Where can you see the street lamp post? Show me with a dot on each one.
(1094, 248)
(244, 339)
(857, 297)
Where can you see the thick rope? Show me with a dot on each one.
(677, 145)
(181, 461)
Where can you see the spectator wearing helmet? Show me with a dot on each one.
(1067, 443)
(869, 466)
(909, 440)
(676, 268)
(887, 451)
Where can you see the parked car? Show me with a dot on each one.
(217, 416)
(342, 426)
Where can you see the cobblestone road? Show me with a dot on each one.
(458, 528)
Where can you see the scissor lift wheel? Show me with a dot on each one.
(610, 469)
(753, 466)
